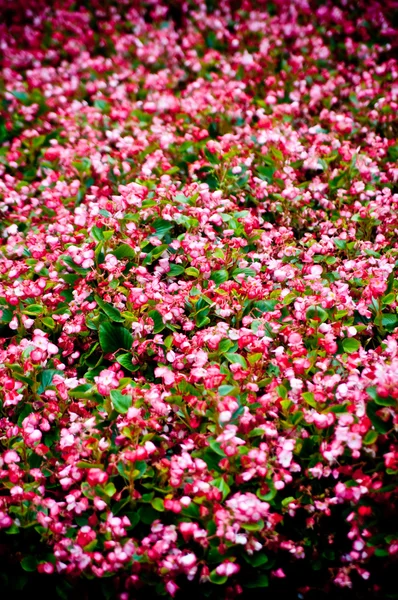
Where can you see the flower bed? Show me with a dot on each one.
(198, 299)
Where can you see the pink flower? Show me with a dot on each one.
(10, 457)
(226, 569)
(165, 373)
(96, 476)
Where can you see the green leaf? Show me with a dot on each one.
(175, 270)
(33, 309)
(255, 358)
(266, 173)
(256, 560)
(110, 489)
(114, 337)
(389, 321)
(46, 378)
(338, 315)
(317, 313)
(161, 227)
(13, 530)
(192, 272)
(154, 254)
(234, 358)
(121, 402)
(389, 298)
(309, 398)
(215, 446)
(265, 305)
(48, 322)
(380, 400)
(381, 552)
(226, 390)
(340, 244)
(392, 151)
(260, 582)
(157, 319)
(282, 391)
(370, 437)
(110, 311)
(6, 315)
(372, 392)
(247, 271)
(124, 251)
(219, 276)
(338, 408)
(258, 526)
(256, 432)
(218, 579)
(108, 234)
(225, 345)
(373, 253)
(378, 423)
(172, 170)
(287, 500)
(201, 318)
(221, 485)
(351, 345)
(289, 298)
(96, 234)
(22, 96)
(126, 361)
(389, 401)
(212, 158)
(29, 564)
(68, 260)
(101, 104)
(158, 504)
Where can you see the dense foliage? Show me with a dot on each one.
(198, 299)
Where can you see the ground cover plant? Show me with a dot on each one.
(198, 299)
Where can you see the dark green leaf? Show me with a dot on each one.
(219, 276)
(114, 337)
(6, 315)
(258, 582)
(110, 311)
(389, 321)
(158, 324)
(46, 378)
(265, 305)
(29, 563)
(126, 361)
(256, 560)
(161, 227)
(175, 270)
(215, 446)
(378, 423)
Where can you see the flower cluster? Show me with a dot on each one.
(199, 298)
